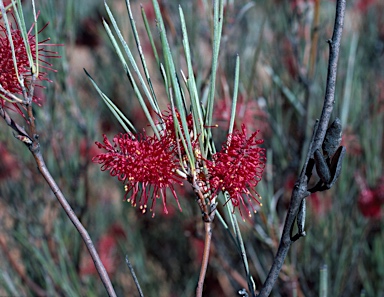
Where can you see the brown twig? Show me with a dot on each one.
(300, 190)
(11, 123)
(204, 264)
(207, 218)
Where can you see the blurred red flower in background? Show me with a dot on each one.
(169, 123)
(249, 112)
(351, 142)
(9, 165)
(107, 248)
(363, 5)
(370, 200)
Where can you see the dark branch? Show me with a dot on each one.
(16, 127)
(300, 191)
(329, 100)
(134, 276)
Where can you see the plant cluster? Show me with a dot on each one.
(193, 129)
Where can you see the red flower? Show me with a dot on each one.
(8, 77)
(147, 165)
(238, 168)
(369, 206)
(249, 111)
(107, 247)
(170, 123)
(351, 141)
(370, 200)
(9, 164)
(363, 5)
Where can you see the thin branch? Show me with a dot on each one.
(204, 264)
(21, 133)
(134, 276)
(207, 218)
(329, 100)
(35, 150)
(34, 147)
(300, 190)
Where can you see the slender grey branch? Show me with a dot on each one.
(134, 276)
(34, 146)
(35, 150)
(15, 126)
(300, 191)
(329, 100)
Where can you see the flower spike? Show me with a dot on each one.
(145, 164)
(238, 168)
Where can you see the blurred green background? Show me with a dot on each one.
(284, 55)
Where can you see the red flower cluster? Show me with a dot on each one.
(169, 123)
(8, 77)
(238, 168)
(148, 165)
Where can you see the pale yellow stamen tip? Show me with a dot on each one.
(261, 204)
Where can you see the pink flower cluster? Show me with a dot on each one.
(8, 77)
(148, 165)
(238, 168)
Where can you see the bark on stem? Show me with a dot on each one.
(204, 264)
(300, 190)
(35, 150)
(34, 146)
